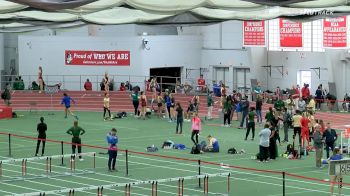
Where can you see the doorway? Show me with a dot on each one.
(167, 76)
(304, 77)
(241, 79)
(221, 74)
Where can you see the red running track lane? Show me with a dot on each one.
(120, 101)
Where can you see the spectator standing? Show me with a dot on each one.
(318, 145)
(179, 118)
(88, 85)
(258, 105)
(297, 125)
(251, 123)
(201, 83)
(264, 143)
(331, 137)
(227, 111)
(305, 92)
(302, 105)
(245, 110)
(210, 103)
(135, 101)
(112, 140)
(319, 97)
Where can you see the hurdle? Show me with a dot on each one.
(48, 165)
(128, 185)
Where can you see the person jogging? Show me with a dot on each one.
(112, 140)
(66, 100)
(41, 129)
(76, 131)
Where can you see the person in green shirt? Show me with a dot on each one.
(279, 105)
(269, 115)
(251, 123)
(210, 104)
(76, 131)
(135, 101)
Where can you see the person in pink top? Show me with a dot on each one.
(196, 128)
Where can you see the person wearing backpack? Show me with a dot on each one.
(330, 136)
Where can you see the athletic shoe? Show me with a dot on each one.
(266, 161)
(81, 159)
(36, 155)
(72, 160)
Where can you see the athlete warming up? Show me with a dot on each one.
(66, 101)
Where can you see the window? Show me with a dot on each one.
(317, 36)
(312, 37)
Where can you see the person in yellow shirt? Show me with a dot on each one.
(311, 107)
(106, 105)
(213, 145)
(297, 125)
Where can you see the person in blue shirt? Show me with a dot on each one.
(112, 140)
(66, 101)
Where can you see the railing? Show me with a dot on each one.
(76, 82)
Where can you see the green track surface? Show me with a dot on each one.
(136, 135)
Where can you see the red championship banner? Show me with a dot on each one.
(291, 33)
(334, 32)
(97, 58)
(254, 33)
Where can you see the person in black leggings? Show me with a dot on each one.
(135, 101)
(41, 128)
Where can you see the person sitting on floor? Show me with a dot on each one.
(213, 145)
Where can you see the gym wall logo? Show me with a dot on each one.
(97, 58)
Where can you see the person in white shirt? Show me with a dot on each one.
(264, 143)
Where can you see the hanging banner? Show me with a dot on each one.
(334, 32)
(291, 33)
(97, 58)
(254, 33)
